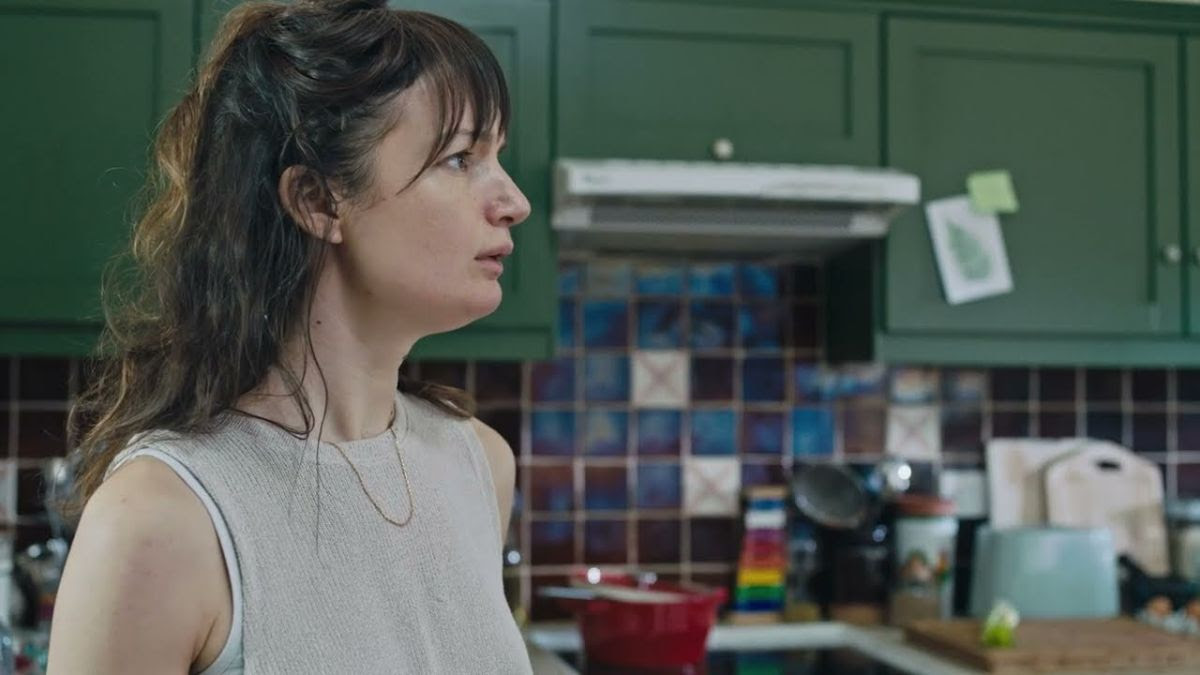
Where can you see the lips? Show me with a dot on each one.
(497, 253)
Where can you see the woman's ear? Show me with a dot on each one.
(310, 205)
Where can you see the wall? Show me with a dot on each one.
(677, 384)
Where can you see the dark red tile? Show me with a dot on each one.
(1188, 430)
(605, 488)
(552, 487)
(715, 540)
(658, 541)
(1056, 424)
(1108, 426)
(1008, 424)
(5, 370)
(1056, 385)
(604, 542)
(497, 381)
(962, 429)
(712, 379)
(1187, 481)
(41, 434)
(547, 609)
(506, 422)
(864, 429)
(1104, 385)
(552, 542)
(43, 379)
(1187, 384)
(1149, 386)
(762, 474)
(449, 373)
(1150, 432)
(1010, 384)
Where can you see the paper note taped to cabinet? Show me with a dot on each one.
(969, 248)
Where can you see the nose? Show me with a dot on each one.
(510, 207)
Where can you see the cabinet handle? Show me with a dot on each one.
(722, 149)
(1172, 254)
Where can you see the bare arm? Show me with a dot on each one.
(504, 471)
(145, 583)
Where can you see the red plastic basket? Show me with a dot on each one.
(646, 634)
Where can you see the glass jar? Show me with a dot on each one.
(1184, 517)
(924, 539)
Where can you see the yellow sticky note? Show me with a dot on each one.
(992, 192)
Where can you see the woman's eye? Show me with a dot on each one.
(458, 160)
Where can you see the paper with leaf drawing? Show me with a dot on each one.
(969, 248)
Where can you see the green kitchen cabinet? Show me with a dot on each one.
(1192, 180)
(670, 80)
(518, 32)
(85, 83)
(1088, 123)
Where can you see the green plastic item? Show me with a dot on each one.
(1000, 626)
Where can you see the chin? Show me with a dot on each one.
(472, 310)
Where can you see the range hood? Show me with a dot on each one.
(725, 209)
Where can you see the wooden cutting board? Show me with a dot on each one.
(1106, 485)
(1016, 491)
(1051, 646)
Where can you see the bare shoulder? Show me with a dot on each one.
(145, 580)
(503, 464)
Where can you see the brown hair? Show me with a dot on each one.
(218, 275)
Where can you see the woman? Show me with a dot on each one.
(260, 497)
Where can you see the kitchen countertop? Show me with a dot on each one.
(883, 643)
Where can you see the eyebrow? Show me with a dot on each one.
(486, 137)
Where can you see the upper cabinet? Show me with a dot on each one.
(664, 80)
(1192, 177)
(1088, 123)
(85, 83)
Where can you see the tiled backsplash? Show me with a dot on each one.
(677, 384)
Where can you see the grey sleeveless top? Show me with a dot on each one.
(326, 584)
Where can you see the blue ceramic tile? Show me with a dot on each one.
(812, 432)
(712, 324)
(658, 486)
(659, 324)
(815, 382)
(566, 324)
(713, 432)
(761, 325)
(553, 488)
(659, 431)
(964, 385)
(605, 488)
(657, 279)
(570, 278)
(712, 378)
(604, 542)
(861, 380)
(552, 432)
(553, 380)
(759, 280)
(762, 379)
(605, 323)
(606, 432)
(605, 277)
(552, 542)
(762, 433)
(606, 377)
(711, 279)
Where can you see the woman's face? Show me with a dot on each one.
(430, 255)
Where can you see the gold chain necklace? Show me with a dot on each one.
(403, 472)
